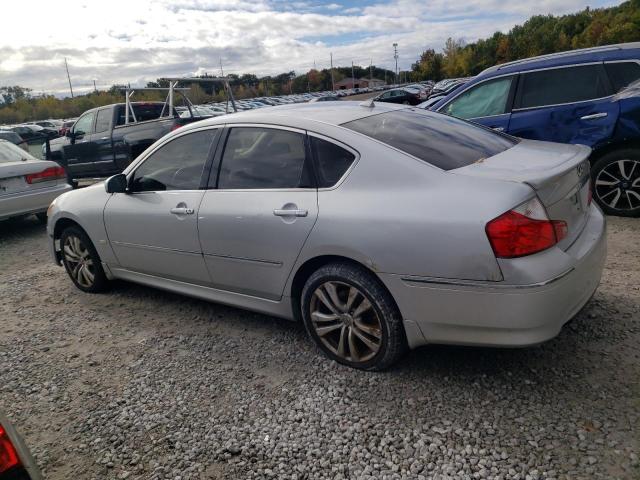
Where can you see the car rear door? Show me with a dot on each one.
(487, 103)
(569, 104)
(153, 228)
(258, 213)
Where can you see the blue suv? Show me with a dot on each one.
(589, 96)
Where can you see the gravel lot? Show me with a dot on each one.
(139, 383)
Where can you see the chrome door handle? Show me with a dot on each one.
(498, 129)
(181, 211)
(290, 213)
(594, 116)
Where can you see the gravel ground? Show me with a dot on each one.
(139, 383)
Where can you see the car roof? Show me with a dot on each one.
(293, 115)
(619, 51)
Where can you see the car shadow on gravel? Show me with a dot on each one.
(16, 228)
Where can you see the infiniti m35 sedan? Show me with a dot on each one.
(381, 227)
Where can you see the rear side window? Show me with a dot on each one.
(332, 161)
(622, 74)
(177, 165)
(103, 121)
(440, 140)
(9, 153)
(10, 137)
(561, 85)
(256, 158)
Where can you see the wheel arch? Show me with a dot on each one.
(600, 152)
(60, 225)
(306, 269)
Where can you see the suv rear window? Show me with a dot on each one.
(440, 140)
(622, 74)
(561, 85)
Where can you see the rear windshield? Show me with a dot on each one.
(10, 136)
(440, 140)
(10, 153)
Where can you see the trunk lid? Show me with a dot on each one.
(558, 173)
(13, 176)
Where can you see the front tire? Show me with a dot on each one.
(352, 318)
(616, 182)
(81, 261)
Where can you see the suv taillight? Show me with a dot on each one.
(52, 173)
(8, 454)
(524, 230)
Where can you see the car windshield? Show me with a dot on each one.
(10, 153)
(443, 141)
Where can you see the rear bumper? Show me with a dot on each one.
(494, 314)
(30, 202)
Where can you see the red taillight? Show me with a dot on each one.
(8, 455)
(52, 173)
(524, 230)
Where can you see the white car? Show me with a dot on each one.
(28, 185)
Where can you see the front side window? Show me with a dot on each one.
(177, 165)
(103, 122)
(622, 74)
(484, 100)
(257, 158)
(84, 125)
(561, 85)
(332, 161)
(443, 141)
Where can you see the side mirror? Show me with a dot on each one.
(116, 184)
(68, 134)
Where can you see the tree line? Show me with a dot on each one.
(539, 35)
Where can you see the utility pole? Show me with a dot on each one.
(395, 55)
(68, 76)
(370, 71)
(353, 77)
(221, 71)
(94, 86)
(333, 85)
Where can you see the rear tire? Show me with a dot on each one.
(82, 262)
(352, 318)
(615, 183)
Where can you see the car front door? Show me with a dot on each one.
(255, 219)
(487, 103)
(80, 152)
(101, 139)
(567, 105)
(153, 228)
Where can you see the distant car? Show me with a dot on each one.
(16, 462)
(381, 227)
(28, 185)
(589, 97)
(66, 127)
(14, 138)
(404, 96)
(427, 104)
(28, 133)
(328, 98)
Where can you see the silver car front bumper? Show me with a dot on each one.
(486, 314)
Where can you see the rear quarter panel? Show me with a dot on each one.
(397, 214)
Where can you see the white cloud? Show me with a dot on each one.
(122, 41)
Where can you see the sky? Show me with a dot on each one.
(135, 41)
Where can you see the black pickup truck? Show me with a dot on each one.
(101, 143)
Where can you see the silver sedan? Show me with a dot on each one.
(27, 185)
(381, 227)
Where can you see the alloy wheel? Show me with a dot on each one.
(345, 321)
(78, 258)
(618, 185)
